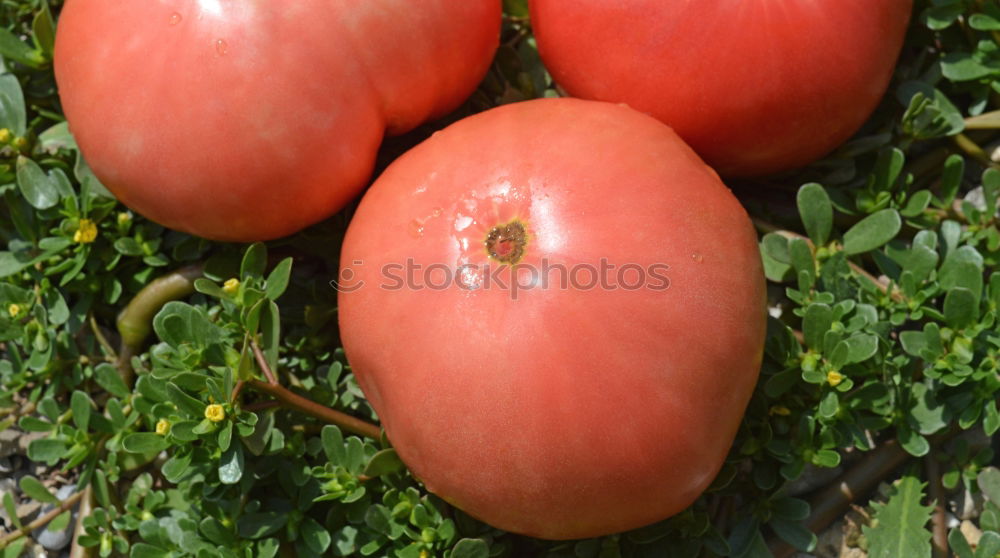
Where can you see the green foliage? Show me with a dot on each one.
(898, 525)
(883, 266)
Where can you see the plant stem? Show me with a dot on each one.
(262, 363)
(86, 508)
(41, 521)
(973, 150)
(135, 322)
(101, 339)
(305, 406)
(939, 521)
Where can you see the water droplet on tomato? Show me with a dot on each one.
(462, 222)
(416, 228)
(698, 258)
(175, 18)
(221, 47)
(470, 277)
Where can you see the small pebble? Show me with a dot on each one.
(6, 467)
(57, 540)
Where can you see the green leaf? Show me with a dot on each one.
(916, 204)
(333, 445)
(184, 402)
(36, 186)
(33, 488)
(277, 281)
(81, 405)
(208, 287)
(899, 523)
(254, 261)
(872, 231)
(44, 30)
(829, 405)
(776, 246)
(108, 378)
(470, 548)
(175, 468)
(963, 267)
(383, 463)
(951, 178)
(989, 483)
(826, 458)
(13, 48)
(888, 168)
(11, 264)
(16, 548)
(927, 413)
(267, 548)
(860, 347)
(47, 450)
(816, 212)
(316, 537)
(958, 544)
(231, 465)
(961, 308)
(989, 545)
(794, 533)
(144, 550)
(792, 509)
(217, 533)
(178, 323)
(817, 321)
(964, 66)
(258, 525)
(12, 110)
(11, 508)
(144, 442)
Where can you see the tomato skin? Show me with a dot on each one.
(563, 413)
(754, 86)
(246, 120)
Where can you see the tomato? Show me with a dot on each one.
(754, 86)
(246, 120)
(604, 399)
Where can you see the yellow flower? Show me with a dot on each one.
(162, 427)
(231, 286)
(779, 410)
(124, 217)
(834, 378)
(5, 135)
(215, 413)
(13, 310)
(86, 232)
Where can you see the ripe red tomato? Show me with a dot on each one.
(567, 410)
(754, 86)
(238, 120)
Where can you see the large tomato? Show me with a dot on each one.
(571, 409)
(754, 86)
(248, 119)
